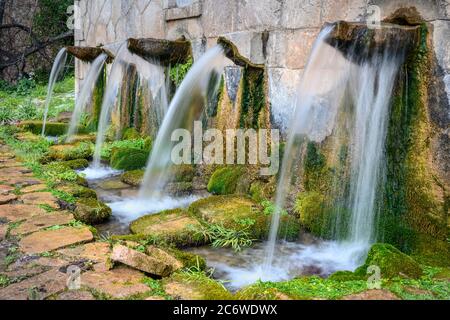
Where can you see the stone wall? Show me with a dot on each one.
(291, 25)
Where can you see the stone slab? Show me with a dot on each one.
(40, 222)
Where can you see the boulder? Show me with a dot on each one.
(77, 190)
(128, 158)
(66, 152)
(172, 226)
(391, 261)
(51, 128)
(157, 264)
(133, 178)
(225, 180)
(91, 211)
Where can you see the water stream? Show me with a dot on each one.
(85, 94)
(58, 66)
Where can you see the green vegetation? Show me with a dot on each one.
(179, 71)
(128, 158)
(253, 98)
(133, 178)
(224, 180)
(26, 100)
(91, 211)
(391, 261)
(221, 237)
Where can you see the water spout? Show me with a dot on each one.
(186, 107)
(58, 66)
(86, 94)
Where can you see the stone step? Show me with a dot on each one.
(40, 222)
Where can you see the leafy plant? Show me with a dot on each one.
(270, 208)
(219, 236)
(179, 71)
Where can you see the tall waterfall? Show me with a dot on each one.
(350, 94)
(86, 93)
(150, 73)
(109, 99)
(57, 67)
(186, 107)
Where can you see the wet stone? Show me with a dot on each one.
(96, 251)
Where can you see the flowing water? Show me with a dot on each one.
(333, 85)
(186, 107)
(57, 67)
(86, 93)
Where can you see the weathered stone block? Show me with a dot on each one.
(301, 14)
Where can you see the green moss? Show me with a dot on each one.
(259, 293)
(189, 260)
(409, 205)
(345, 276)
(51, 128)
(133, 178)
(306, 288)
(431, 252)
(253, 97)
(179, 71)
(318, 217)
(81, 150)
(171, 227)
(130, 134)
(261, 191)
(183, 173)
(224, 180)
(76, 164)
(97, 98)
(197, 286)
(391, 261)
(128, 158)
(241, 213)
(77, 190)
(91, 211)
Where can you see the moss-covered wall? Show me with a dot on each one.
(97, 99)
(414, 199)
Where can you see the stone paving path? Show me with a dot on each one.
(40, 249)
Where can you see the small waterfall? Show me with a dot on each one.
(86, 93)
(310, 118)
(57, 67)
(109, 99)
(186, 107)
(358, 88)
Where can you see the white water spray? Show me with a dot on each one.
(185, 108)
(86, 94)
(57, 67)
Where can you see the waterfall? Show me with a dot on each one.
(109, 99)
(57, 67)
(186, 107)
(358, 89)
(86, 93)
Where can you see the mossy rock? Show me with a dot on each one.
(342, 276)
(231, 212)
(51, 128)
(188, 259)
(224, 181)
(130, 134)
(260, 293)
(76, 164)
(66, 152)
(182, 173)
(179, 188)
(91, 211)
(133, 178)
(391, 261)
(432, 252)
(260, 191)
(171, 226)
(184, 286)
(128, 158)
(77, 191)
(83, 138)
